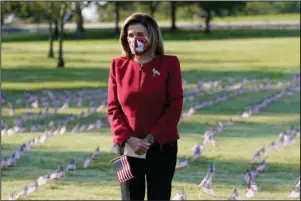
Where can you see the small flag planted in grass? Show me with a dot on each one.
(206, 184)
(235, 195)
(71, 166)
(261, 167)
(181, 195)
(182, 163)
(12, 196)
(296, 192)
(197, 151)
(96, 153)
(43, 179)
(88, 161)
(33, 188)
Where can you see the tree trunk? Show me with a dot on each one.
(173, 15)
(61, 37)
(56, 29)
(152, 8)
(60, 63)
(79, 23)
(50, 53)
(2, 18)
(116, 10)
(208, 18)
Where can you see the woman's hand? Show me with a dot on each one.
(139, 146)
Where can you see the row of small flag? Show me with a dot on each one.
(198, 148)
(27, 125)
(55, 175)
(238, 90)
(264, 103)
(36, 127)
(209, 136)
(65, 105)
(9, 161)
(62, 100)
(250, 175)
(215, 86)
(58, 130)
(55, 98)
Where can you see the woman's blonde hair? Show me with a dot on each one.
(156, 40)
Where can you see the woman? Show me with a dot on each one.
(145, 97)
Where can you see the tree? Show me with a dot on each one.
(61, 17)
(78, 7)
(210, 7)
(19, 8)
(116, 15)
(79, 20)
(50, 22)
(173, 5)
(148, 6)
(153, 5)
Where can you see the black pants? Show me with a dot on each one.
(158, 169)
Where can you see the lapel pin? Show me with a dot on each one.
(155, 72)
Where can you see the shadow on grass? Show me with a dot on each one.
(69, 74)
(56, 117)
(231, 172)
(241, 130)
(234, 106)
(36, 163)
(167, 35)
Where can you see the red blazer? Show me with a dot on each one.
(145, 99)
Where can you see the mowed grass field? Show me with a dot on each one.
(25, 66)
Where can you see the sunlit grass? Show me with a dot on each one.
(26, 67)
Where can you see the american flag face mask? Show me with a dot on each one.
(122, 168)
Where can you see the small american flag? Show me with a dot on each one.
(235, 195)
(123, 169)
(11, 196)
(181, 195)
(71, 165)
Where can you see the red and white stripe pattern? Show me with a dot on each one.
(123, 169)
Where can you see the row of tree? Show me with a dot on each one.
(36, 10)
(57, 13)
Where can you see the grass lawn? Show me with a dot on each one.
(249, 18)
(25, 66)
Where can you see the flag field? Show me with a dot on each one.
(25, 66)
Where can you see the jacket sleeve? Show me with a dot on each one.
(172, 114)
(119, 127)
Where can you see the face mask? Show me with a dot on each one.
(139, 46)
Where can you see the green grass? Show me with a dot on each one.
(241, 18)
(26, 67)
(110, 34)
(250, 18)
